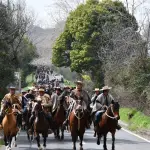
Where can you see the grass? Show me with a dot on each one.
(1, 143)
(139, 121)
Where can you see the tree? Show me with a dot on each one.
(82, 45)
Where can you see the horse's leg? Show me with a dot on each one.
(74, 139)
(10, 140)
(81, 140)
(98, 139)
(58, 136)
(38, 140)
(105, 140)
(62, 133)
(5, 140)
(113, 141)
(44, 140)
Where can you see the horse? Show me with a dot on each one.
(9, 125)
(59, 117)
(108, 123)
(77, 121)
(18, 114)
(41, 126)
(26, 118)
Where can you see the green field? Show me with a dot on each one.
(139, 121)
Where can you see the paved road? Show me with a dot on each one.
(124, 141)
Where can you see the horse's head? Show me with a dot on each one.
(114, 106)
(7, 108)
(16, 109)
(79, 107)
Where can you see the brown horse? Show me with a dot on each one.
(41, 126)
(9, 125)
(77, 120)
(59, 117)
(108, 123)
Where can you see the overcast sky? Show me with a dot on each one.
(42, 7)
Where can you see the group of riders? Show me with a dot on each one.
(44, 99)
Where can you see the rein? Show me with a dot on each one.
(114, 117)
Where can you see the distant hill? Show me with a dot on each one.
(44, 40)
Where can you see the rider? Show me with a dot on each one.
(102, 103)
(45, 100)
(55, 98)
(80, 94)
(94, 97)
(12, 98)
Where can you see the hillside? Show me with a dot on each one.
(43, 40)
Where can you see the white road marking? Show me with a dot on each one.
(135, 135)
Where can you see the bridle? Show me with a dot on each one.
(112, 117)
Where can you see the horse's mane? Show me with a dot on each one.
(7, 104)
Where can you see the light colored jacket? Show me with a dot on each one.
(13, 99)
(101, 101)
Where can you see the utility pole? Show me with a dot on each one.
(19, 80)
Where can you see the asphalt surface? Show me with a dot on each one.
(124, 141)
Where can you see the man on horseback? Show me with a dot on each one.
(80, 94)
(55, 98)
(102, 103)
(94, 97)
(12, 98)
(45, 101)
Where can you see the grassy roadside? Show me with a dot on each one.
(139, 121)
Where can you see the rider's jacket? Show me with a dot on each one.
(101, 101)
(81, 95)
(13, 99)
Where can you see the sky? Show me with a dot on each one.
(42, 9)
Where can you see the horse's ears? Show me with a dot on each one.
(112, 101)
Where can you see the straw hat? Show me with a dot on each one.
(41, 90)
(79, 82)
(96, 89)
(106, 88)
(12, 87)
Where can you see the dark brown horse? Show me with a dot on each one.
(9, 125)
(108, 123)
(77, 120)
(41, 126)
(26, 118)
(59, 117)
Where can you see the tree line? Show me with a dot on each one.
(103, 40)
(16, 49)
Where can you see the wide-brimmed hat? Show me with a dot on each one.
(41, 90)
(106, 88)
(66, 87)
(12, 87)
(79, 82)
(35, 90)
(23, 91)
(96, 89)
(38, 99)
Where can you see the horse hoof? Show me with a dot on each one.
(15, 145)
(62, 137)
(81, 148)
(74, 148)
(98, 143)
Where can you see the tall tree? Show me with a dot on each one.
(82, 45)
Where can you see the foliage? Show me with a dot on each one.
(16, 49)
(138, 122)
(81, 45)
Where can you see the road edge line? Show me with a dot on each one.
(136, 135)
